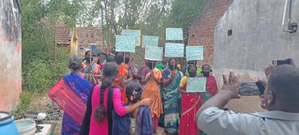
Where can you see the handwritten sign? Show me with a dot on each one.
(125, 44)
(150, 41)
(153, 53)
(194, 53)
(174, 50)
(196, 84)
(174, 34)
(135, 33)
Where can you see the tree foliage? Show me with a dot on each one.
(43, 62)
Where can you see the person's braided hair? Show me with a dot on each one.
(109, 74)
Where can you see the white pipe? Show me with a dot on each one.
(284, 16)
(284, 13)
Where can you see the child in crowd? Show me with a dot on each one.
(143, 113)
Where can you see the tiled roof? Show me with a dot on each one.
(63, 35)
(85, 35)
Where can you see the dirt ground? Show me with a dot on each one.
(39, 104)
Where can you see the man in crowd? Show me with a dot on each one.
(281, 101)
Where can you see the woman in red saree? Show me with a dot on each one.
(191, 102)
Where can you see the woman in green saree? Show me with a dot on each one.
(171, 80)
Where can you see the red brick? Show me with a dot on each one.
(203, 27)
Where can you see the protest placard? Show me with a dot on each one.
(135, 33)
(150, 41)
(174, 50)
(194, 53)
(153, 53)
(196, 84)
(125, 44)
(174, 34)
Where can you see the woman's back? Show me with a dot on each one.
(101, 128)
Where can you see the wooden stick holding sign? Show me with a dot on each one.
(196, 84)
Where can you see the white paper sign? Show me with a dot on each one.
(125, 44)
(196, 84)
(174, 34)
(194, 53)
(153, 53)
(150, 41)
(174, 50)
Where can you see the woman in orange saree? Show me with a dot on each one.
(151, 90)
(124, 74)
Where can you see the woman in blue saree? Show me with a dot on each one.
(171, 80)
(71, 94)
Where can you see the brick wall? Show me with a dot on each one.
(202, 29)
(89, 35)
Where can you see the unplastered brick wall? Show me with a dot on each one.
(202, 29)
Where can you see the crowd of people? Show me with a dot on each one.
(115, 91)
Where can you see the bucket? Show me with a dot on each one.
(7, 124)
(26, 126)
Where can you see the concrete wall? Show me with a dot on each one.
(257, 39)
(10, 54)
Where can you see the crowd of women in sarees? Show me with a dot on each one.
(167, 89)
(163, 83)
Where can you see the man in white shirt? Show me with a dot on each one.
(282, 103)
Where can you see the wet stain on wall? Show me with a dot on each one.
(10, 54)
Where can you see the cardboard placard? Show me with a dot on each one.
(135, 33)
(196, 84)
(194, 53)
(153, 53)
(150, 41)
(174, 34)
(175, 50)
(125, 43)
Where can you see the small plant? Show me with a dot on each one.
(25, 100)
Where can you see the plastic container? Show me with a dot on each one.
(41, 116)
(26, 126)
(7, 125)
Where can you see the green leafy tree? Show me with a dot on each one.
(44, 62)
